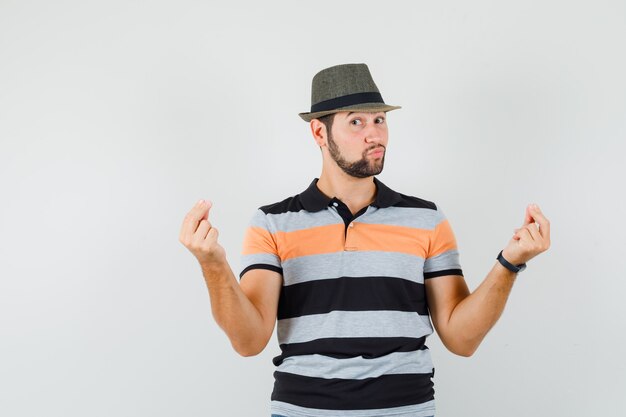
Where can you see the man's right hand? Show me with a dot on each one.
(200, 237)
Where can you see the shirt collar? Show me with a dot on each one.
(314, 200)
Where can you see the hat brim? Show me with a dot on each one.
(368, 107)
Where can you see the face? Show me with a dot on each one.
(357, 142)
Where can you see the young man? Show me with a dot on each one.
(353, 272)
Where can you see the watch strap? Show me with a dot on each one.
(510, 266)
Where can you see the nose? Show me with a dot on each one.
(373, 133)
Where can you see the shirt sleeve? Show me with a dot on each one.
(259, 249)
(443, 255)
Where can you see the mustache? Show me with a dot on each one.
(375, 147)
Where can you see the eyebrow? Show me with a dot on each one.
(349, 113)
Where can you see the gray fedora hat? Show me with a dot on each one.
(346, 87)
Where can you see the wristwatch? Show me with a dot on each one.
(513, 268)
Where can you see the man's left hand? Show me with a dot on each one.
(529, 240)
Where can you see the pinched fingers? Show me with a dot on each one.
(192, 220)
(205, 238)
(530, 241)
(542, 221)
(532, 238)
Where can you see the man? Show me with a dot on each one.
(353, 271)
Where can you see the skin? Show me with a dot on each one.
(246, 310)
(356, 135)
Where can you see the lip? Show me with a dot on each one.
(377, 152)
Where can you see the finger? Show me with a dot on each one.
(524, 234)
(201, 233)
(201, 207)
(206, 208)
(185, 230)
(212, 235)
(528, 218)
(534, 232)
(192, 219)
(201, 211)
(544, 223)
(209, 243)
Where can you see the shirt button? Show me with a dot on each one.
(335, 204)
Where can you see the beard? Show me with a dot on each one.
(361, 168)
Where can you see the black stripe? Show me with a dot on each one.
(414, 202)
(261, 266)
(386, 391)
(347, 100)
(313, 200)
(434, 274)
(350, 347)
(351, 294)
(289, 204)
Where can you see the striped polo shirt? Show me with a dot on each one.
(352, 317)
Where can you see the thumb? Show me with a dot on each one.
(528, 218)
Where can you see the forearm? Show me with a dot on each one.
(232, 310)
(476, 314)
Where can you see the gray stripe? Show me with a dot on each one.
(292, 410)
(446, 260)
(292, 221)
(353, 264)
(418, 218)
(384, 323)
(320, 366)
(258, 219)
(258, 258)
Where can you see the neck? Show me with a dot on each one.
(354, 192)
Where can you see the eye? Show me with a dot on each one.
(352, 122)
(380, 120)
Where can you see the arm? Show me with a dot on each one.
(246, 311)
(462, 320)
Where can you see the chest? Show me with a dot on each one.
(324, 245)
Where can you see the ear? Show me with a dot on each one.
(318, 129)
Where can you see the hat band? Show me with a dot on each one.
(348, 100)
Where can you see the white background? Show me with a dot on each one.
(116, 117)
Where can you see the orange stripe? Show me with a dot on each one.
(389, 238)
(362, 237)
(312, 241)
(443, 239)
(258, 240)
